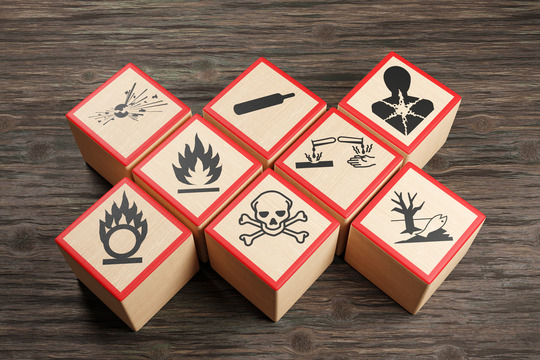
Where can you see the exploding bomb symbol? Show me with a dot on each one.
(135, 106)
(132, 222)
(273, 217)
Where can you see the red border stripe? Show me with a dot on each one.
(345, 213)
(241, 135)
(276, 285)
(121, 295)
(256, 165)
(427, 278)
(184, 110)
(377, 128)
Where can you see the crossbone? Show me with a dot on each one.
(299, 236)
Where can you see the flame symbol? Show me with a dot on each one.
(197, 166)
(133, 222)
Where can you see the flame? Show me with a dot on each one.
(130, 215)
(197, 167)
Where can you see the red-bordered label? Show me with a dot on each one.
(121, 295)
(377, 128)
(197, 220)
(276, 285)
(267, 154)
(184, 110)
(427, 278)
(345, 213)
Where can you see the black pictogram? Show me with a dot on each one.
(432, 231)
(401, 111)
(135, 106)
(273, 217)
(314, 159)
(123, 218)
(260, 103)
(197, 168)
(362, 159)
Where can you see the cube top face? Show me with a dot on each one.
(339, 162)
(264, 107)
(419, 222)
(128, 113)
(197, 169)
(123, 238)
(272, 228)
(400, 102)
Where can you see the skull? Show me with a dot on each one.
(272, 209)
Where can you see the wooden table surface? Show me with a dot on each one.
(53, 54)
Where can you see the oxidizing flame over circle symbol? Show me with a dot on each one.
(198, 168)
(123, 218)
(135, 106)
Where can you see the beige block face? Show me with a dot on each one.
(268, 125)
(346, 167)
(274, 255)
(210, 158)
(437, 226)
(85, 237)
(127, 112)
(421, 93)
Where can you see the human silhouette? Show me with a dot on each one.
(402, 111)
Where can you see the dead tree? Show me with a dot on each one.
(408, 212)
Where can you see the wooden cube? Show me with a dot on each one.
(271, 243)
(405, 107)
(339, 165)
(195, 173)
(123, 120)
(264, 110)
(130, 252)
(410, 237)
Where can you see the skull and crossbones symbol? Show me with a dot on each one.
(272, 216)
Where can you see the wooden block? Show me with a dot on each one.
(130, 252)
(410, 237)
(405, 107)
(264, 110)
(271, 243)
(195, 173)
(339, 165)
(123, 121)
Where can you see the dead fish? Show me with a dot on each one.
(434, 224)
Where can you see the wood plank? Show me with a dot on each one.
(56, 53)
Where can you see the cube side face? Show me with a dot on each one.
(123, 238)
(383, 271)
(390, 276)
(302, 279)
(401, 103)
(433, 141)
(98, 158)
(339, 164)
(419, 222)
(242, 278)
(195, 172)
(265, 109)
(162, 284)
(128, 114)
(272, 229)
(97, 288)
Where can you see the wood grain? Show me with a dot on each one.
(53, 54)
